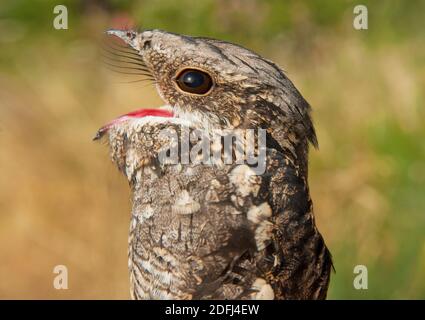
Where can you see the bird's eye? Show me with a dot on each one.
(194, 81)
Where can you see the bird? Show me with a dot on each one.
(223, 230)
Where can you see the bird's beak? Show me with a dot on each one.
(132, 39)
(129, 37)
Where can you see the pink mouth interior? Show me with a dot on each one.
(141, 113)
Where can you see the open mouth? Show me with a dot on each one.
(137, 114)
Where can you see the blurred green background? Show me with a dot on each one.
(63, 202)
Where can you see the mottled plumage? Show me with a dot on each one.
(219, 231)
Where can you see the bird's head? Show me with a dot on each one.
(214, 83)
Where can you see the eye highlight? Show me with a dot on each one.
(194, 81)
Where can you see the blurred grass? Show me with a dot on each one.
(63, 202)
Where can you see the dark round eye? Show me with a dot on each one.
(194, 81)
